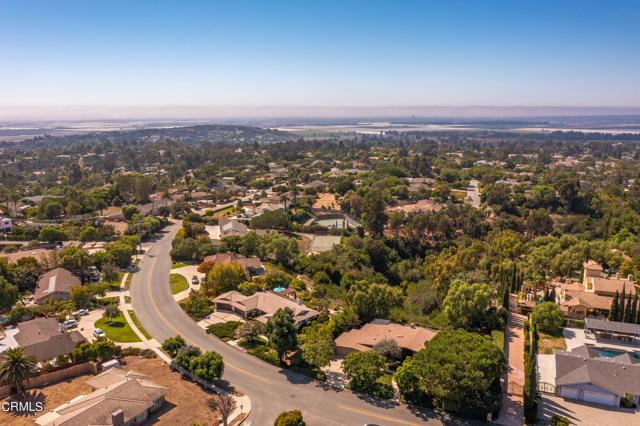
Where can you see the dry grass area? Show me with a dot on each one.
(547, 343)
(119, 227)
(52, 396)
(326, 200)
(420, 206)
(186, 402)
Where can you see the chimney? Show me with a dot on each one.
(630, 277)
(568, 281)
(117, 417)
(617, 275)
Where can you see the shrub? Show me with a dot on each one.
(173, 344)
(186, 354)
(207, 366)
(289, 418)
(558, 420)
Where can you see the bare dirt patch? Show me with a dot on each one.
(52, 396)
(186, 402)
(326, 200)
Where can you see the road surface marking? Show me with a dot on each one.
(366, 413)
(186, 338)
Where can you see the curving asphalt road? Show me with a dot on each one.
(271, 389)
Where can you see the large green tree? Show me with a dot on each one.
(222, 278)
(371, 301)
(317, 347)
(363, 369)
(458, 371)
(547, 317)
(466, 304)
(281, 330)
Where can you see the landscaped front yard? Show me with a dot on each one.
(117, 329)
(178, 283)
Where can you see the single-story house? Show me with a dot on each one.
(56, 283)
(118, 398)
(584, 375)
(229, 227)
(410, 338)
(41, 337)
(262, 305)
(252, 265)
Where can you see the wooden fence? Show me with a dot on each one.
(54, 376)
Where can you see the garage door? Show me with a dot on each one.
(600, 398)
(568, 392)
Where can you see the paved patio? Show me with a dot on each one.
(576, 337)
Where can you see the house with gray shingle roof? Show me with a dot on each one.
(583, 374)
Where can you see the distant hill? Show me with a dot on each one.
(217, 133)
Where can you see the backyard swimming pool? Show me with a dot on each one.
(610, 354)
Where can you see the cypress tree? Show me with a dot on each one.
(553, 294)
(628, 317)
(613, 311)
(621, 305)
(634, 310)
(546, 293)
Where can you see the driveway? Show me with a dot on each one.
(584, 414)
(512, 411)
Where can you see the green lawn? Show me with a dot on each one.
(117, 329)
(137, 323)
(498, 338)
(115, 284)
(225, 331)
(179, 265)
(178, 283)
(127, 283)
(386, 379)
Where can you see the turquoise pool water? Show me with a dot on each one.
(279, 289)
(611, 354)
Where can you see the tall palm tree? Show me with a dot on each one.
(16, 367)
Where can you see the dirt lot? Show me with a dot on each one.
(52, 396)
(185, 404)
(326, 200)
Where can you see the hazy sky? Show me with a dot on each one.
(320, 53)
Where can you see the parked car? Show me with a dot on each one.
(70, 323)
(93, 269)
(195, 280)
(99, 333)
(81, 312)
(94, 277)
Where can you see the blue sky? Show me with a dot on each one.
(350, 53)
